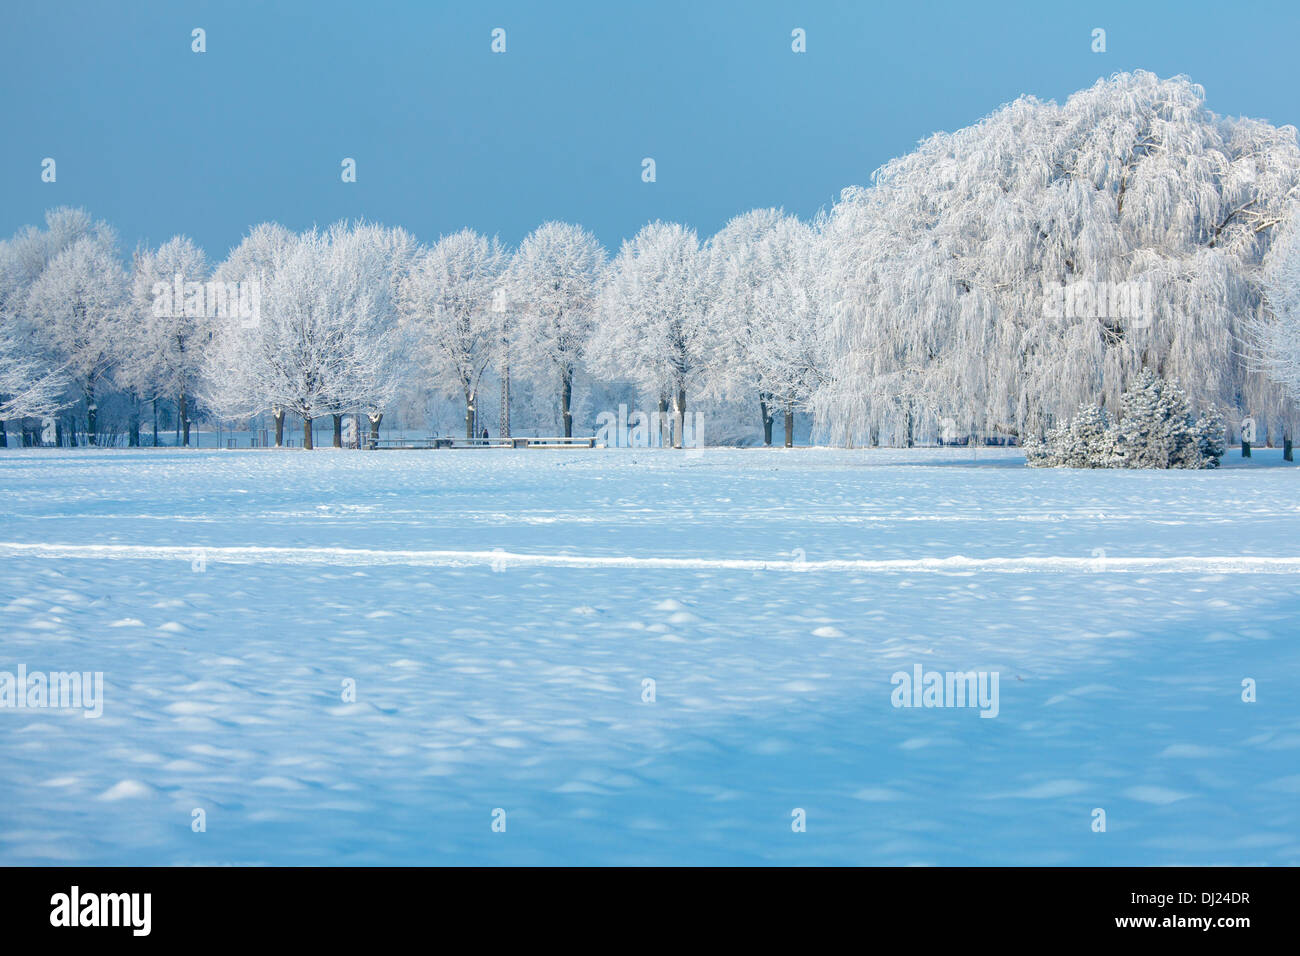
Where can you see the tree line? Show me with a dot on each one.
(988, 283)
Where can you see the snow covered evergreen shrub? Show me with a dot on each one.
(1212, 437)
(1155, 429)
(1081, 442)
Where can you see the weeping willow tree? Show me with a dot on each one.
(999, 276)
(1275, 331)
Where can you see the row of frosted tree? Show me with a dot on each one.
(334, 322)
(970, 289)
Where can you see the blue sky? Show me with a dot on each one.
(160, 140)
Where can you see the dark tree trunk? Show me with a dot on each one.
(92, 415)
(663, 418)
(338, 431)
(1286, 446)
(182, 410)
(278, 415)
(566, 400)
(306, 433)
(155, 421)
(4, 435)
(374, 428)
(470, 417)
(133, 439)
(183, 414)
(679, 419)
(789, 425)
(1245, 448)
(765, 410)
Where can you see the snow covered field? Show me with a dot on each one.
(499, 613)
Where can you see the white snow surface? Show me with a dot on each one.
(500, 610)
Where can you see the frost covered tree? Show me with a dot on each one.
(33, 376)
(653, 309)
(327, 340)
(29, 387)
(302, 338)
(238, 361)
(171, 324)
(79, 302)
(769, 313)
(1006, 273)
(1276, 328)
(738, 274)
(372, 261)
(27, 390)
(1279, 333)
(554, 279)
(447, 299)
(786, 343)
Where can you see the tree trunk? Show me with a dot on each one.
(470, 419)
(155, 421)
(566, 399)
(58, 432)
(679, 419)
(505, 402)
(183, 415)
(374, 427)
(663, 417)
(338, 431)
(278, 415)
(133, 441)
(766, 412)
(1245, 448)
(4, 435)
(789, 425)
(306, 434)
(92, 415)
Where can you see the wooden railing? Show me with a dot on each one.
(442, 442)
